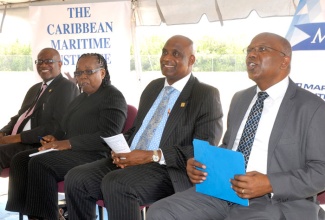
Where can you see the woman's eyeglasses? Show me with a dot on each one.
(87, 72)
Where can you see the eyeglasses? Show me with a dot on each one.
(261, 49)
(47, 61)
(87, 72)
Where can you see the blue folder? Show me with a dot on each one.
(221, 165)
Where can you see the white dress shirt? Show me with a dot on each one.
(258, 157)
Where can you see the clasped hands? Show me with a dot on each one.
(50, 141)
(135, 157)
(251, 185)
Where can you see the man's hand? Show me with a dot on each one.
(195, 175)
(135, 157)
(9, 139)
(251, 185)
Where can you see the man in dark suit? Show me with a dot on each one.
(23, 130)
(156, 169)
(286, 165)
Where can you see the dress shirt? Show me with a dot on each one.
(258, 156)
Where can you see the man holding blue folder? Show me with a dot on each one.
(278, 127)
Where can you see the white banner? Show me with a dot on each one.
(74, 29)
(307, 37)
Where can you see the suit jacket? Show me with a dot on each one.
(88, 118)
(197, 113)
(296, 150)
(48, 111)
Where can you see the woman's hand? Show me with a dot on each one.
(59, 145)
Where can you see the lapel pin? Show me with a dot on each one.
(183, 104)
(50, 90)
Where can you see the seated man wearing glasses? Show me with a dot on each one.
(42, 109)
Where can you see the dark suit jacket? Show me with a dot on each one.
(197, 113)
(48, 111)
(88, 118)
(296, 151)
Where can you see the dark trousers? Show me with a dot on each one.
(8, 151)
(123, 190)
(33, 180)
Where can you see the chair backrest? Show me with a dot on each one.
(5, 172)
(321, 198)
(132, 113)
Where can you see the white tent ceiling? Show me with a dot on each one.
(154, 12)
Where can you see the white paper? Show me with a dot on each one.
(43, 152)
(117, 143)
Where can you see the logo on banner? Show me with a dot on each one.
(306, 35)
(307, 30)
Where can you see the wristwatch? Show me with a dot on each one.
(155, 156)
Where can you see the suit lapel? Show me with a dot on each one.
(48, 91)
(281, 119)
(240, 110)
(178, 110)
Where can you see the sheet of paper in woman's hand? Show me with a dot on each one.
(117, 143)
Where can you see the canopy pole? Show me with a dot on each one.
(3, 17)
(136, 50)
(219, 13)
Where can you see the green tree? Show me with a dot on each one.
(15, 57)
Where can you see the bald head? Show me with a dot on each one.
(177, 58)
(268, 59)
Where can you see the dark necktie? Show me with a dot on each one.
(247, 138)
(149, 131)
(29, 111)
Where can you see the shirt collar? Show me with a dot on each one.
(180, 84)
(278, 90)
(48, 82)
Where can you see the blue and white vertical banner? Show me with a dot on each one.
(74, 29)
(307, 37)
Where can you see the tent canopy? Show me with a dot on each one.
(171, 12)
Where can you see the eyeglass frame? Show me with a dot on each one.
(46, 61)
(261, 49)
(87, 72)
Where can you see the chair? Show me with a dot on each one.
(131, 114)
(321, 198)
(101, 205)
(5, 173)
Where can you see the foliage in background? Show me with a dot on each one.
(211, 55)
(15, 57)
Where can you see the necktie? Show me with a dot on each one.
(149, 131)
(247, 138)
(29, 111)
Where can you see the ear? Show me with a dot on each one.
(191, 60)
(102, 73)
(286, 62)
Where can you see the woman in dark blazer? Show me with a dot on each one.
(99, 111)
